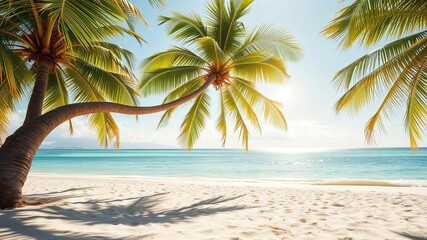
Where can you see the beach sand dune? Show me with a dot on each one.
(136, 208)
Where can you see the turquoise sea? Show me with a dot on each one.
(392, 164)
(399, 165)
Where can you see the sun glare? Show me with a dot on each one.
(283, 94)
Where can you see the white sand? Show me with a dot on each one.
(136, 208)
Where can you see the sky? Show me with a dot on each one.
(308, 97)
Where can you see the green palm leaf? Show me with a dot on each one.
(194, 121)
(394, 52)
(114, 87)
(57, 92)
(111, 60)
(270, 108)
(166, 79)
(394, 58)
(185, 28)
(416, 113)
(394, 73)
(268, 70)
(221, 123)
(80, 24)
(12, 70)
(106, 128)
(232, 109)
(232, 30)
(211, 51)
(245, 106)
(173, 57)
(179, 92)
(273, 40)
(7, 106)
(370, 21)
(85, 90)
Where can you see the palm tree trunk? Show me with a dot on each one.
(17, 153)
(34, 109)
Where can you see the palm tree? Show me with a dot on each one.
(61, 53)
(396, 73)
(62, 50)
(220, 46)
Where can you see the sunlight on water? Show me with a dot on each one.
(298, 150)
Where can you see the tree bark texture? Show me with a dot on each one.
(35, 105)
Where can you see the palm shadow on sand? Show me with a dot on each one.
(413, 236)
(16, 224)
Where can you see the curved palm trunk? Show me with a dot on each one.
(17, 153)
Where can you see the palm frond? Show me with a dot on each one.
(12, 70)
(233, 110)
(272, 40)
(395, 51)
(166, 79)
(221, 123)
(106, 128)
(179, 92)
(370, 21)
(84, 90)
(173, 57)
(233, 30)
(211, 51)
(185, 28)
(7, 107)
(217, 14)
(194, 121)
(376, 72)
(245, 106)
(395, 98)
(57, 92)
(271, 109)
(256, 68)
(416, 112)
(114, 87)
(157, 3)
(108, 57)
(80, 24)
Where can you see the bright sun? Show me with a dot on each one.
(283, 94)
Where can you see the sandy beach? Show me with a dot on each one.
(86, 207)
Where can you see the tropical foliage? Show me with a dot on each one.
(395, 73)
(85, 64)
(220, 46)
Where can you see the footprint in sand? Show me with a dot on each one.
(338, 205)
(248, 234)
(277, 230)
(232, 226)
(207, 231)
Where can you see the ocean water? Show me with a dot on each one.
(392, 164)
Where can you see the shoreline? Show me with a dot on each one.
(262, 181)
